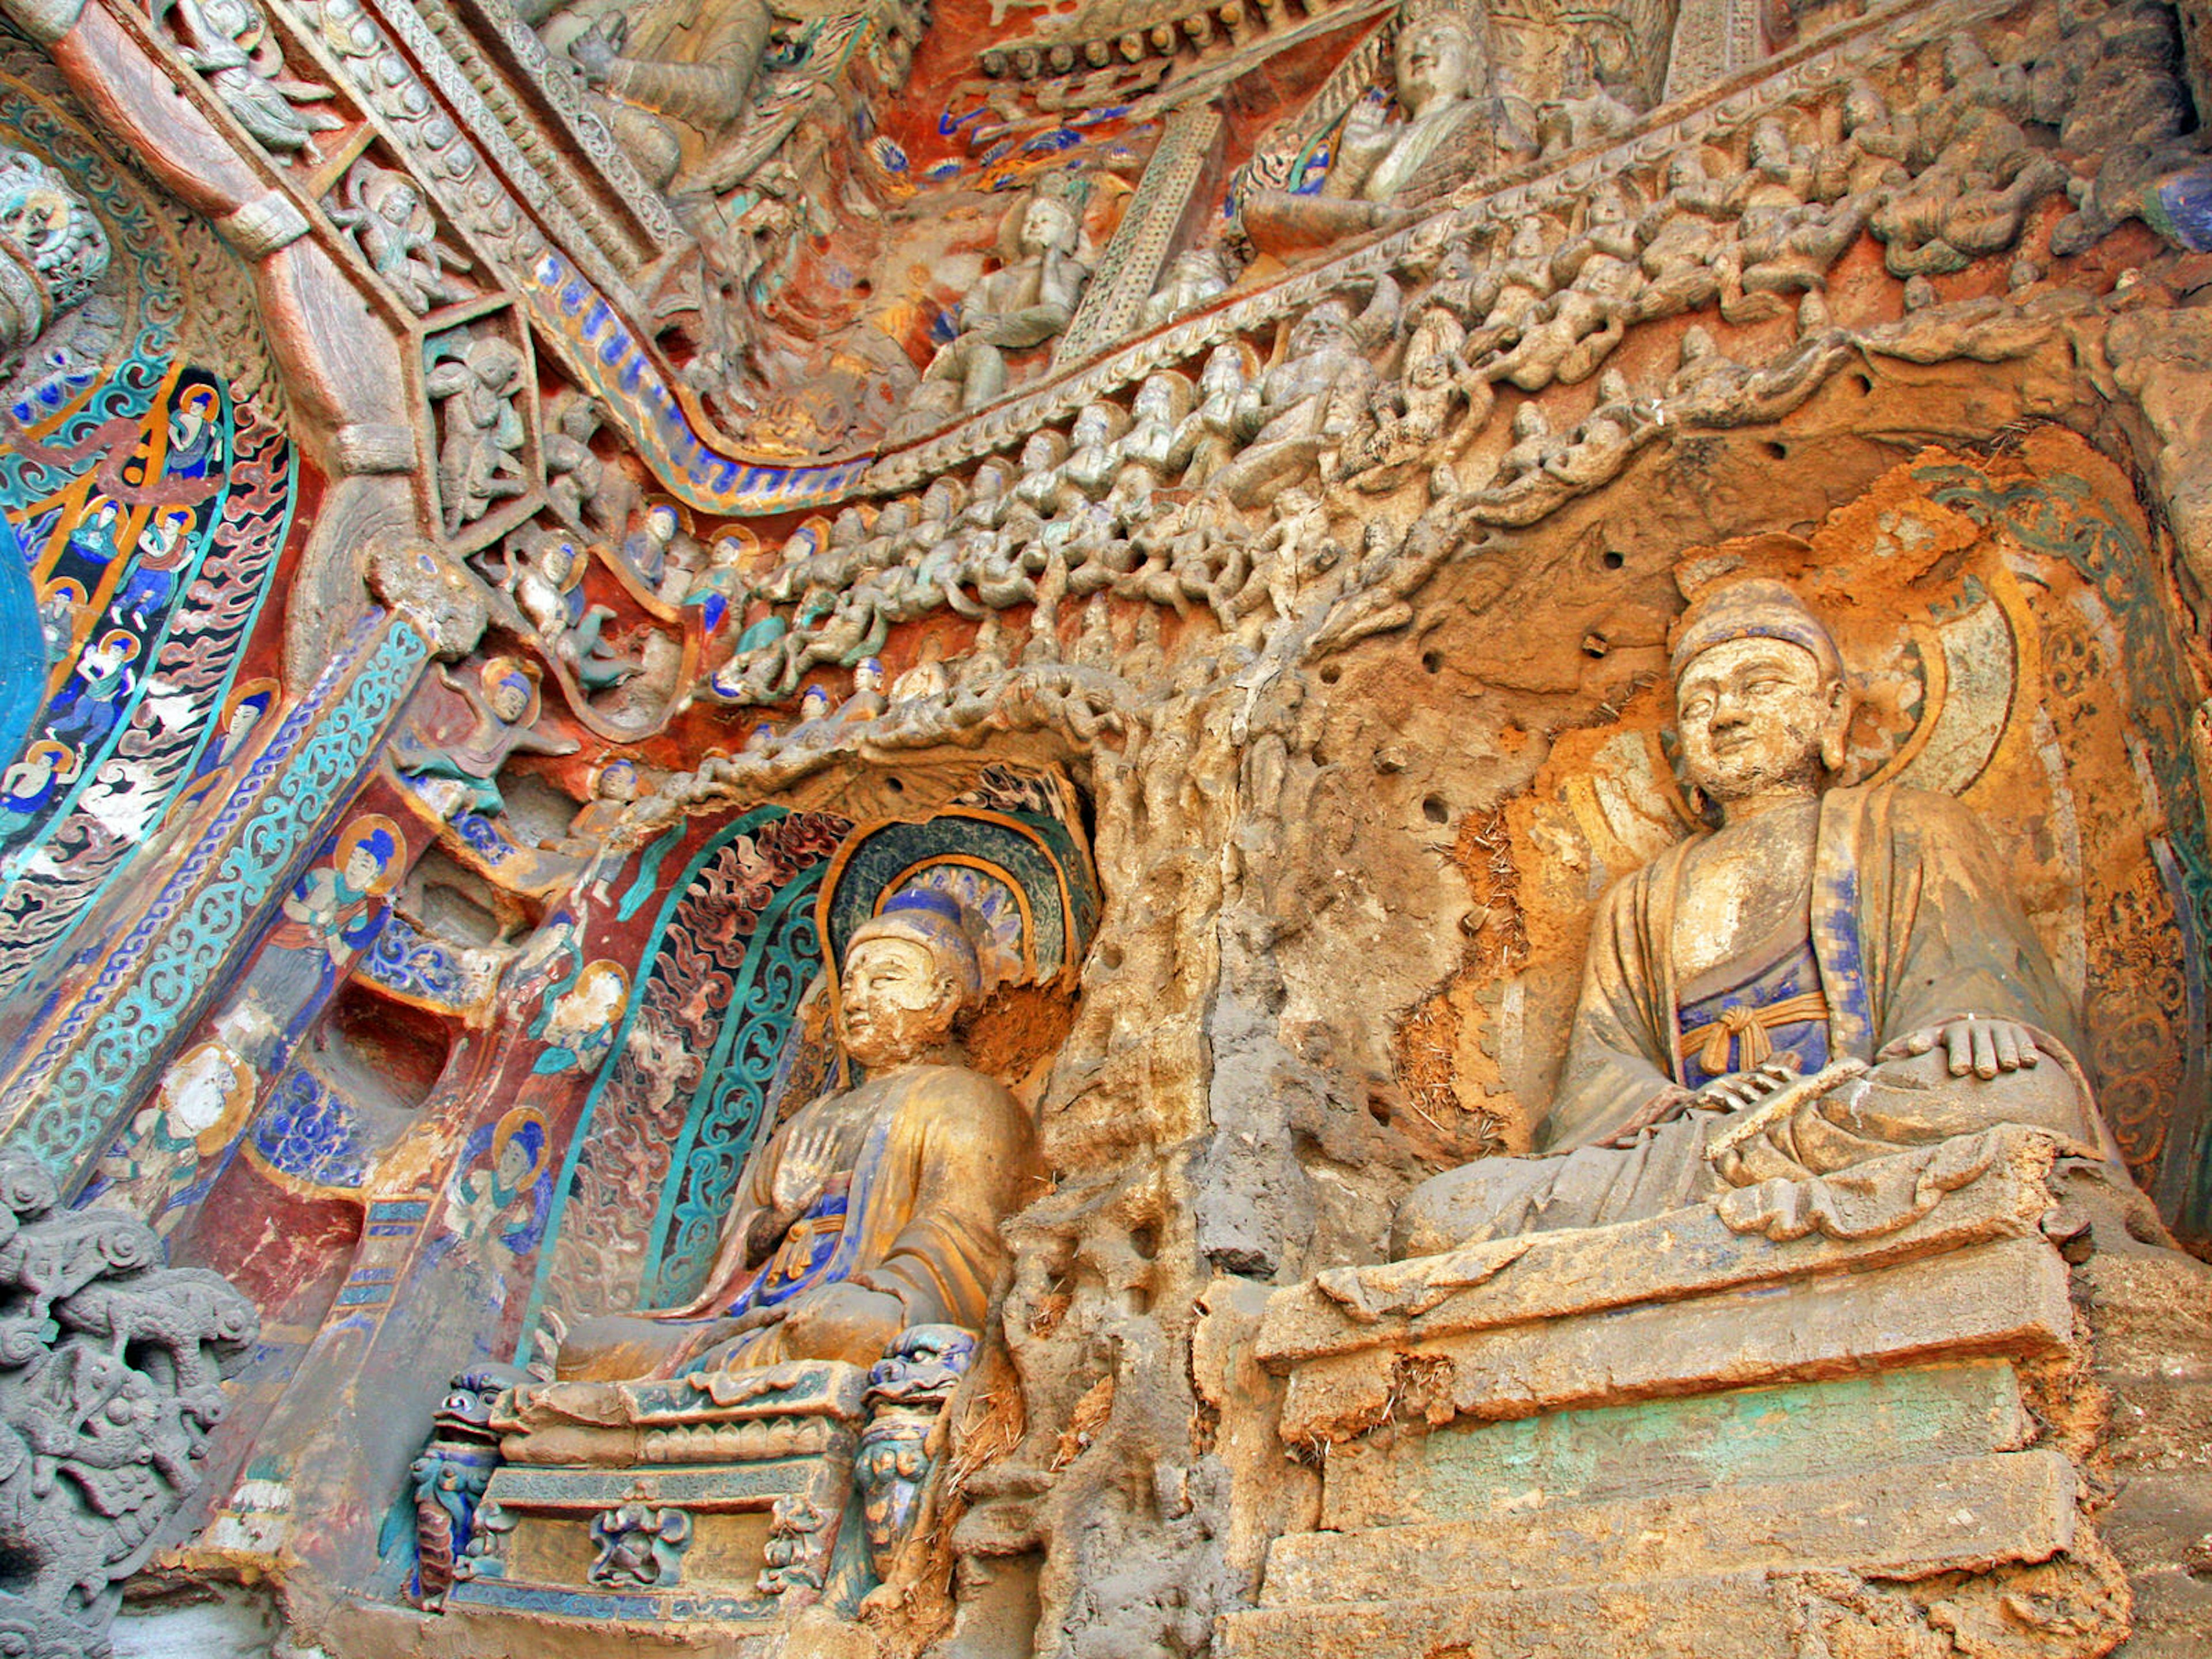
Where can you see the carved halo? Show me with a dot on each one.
(1030, 900)
(522, 1120)
(385, 843)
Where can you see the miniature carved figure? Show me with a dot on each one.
(670, 78)
(1192, 277)
(230, 42)
(1793, 224)
(384, 213)
(503, 697)
(1029, 300)
(583, 489)
(660, 537)
(1310, 400)
(1407, 418)
(640, 1547)
(1569, 335)
(1685, 237)
(1211, 426)
(1586, 110)
(1157, 448)
(1974, 199)
(480, 448)
(1834, 974)
(546, 574)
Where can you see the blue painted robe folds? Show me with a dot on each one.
(1914, 922)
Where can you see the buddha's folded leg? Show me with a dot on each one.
(613, 1347)
(1912, 1102)
(1588, 1187)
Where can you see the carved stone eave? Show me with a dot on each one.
(553, 100)
(860, 776)
(1884, 34)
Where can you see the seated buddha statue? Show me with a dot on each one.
(1832, 974)
(872, 1208)
(1456, 127)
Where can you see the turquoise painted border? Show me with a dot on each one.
(581, 1134)
(75, 1109)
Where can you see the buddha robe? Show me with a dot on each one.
(910, 1173)
(1910, 922)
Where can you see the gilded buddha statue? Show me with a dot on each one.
(872, 1208)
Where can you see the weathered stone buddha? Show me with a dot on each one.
(1028, 301)
(1456, 128)
(873, 1208)
(669, 77)
(1834, 974)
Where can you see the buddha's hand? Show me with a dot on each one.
(1740, 1091)
(1973, 1043)
(595, 51)
(843, 1320)
(802, 1169)
(1365, 133)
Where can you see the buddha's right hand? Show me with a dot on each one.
(1740, 1091)
(802, 1169)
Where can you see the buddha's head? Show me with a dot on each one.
(910, 972)
(1760, 697)
(1324, 328)
(1438, 62)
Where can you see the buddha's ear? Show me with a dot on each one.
(1836, 727)
(952, 996)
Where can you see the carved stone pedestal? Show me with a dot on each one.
(712, 1500)
(1806, 1417)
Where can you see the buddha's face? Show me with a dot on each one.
(895, 1003)
(1046, 224)
(362, 867)
(1751, 714)
(1435, 64)
(1328, 325)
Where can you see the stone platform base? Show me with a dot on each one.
(1793, 1422)
(716, 1500)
